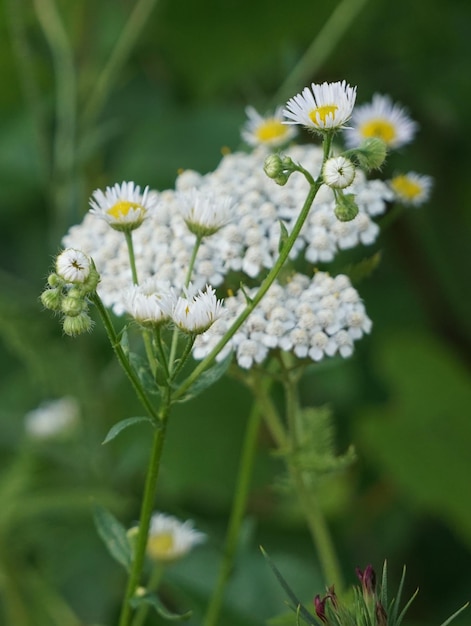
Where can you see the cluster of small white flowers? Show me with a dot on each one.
(248, 243)
(313, 318)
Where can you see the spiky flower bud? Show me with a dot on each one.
(346, 208)
(51, 299)
(77, 325)
(371, 154)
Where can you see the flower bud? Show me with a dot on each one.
(54, 280)
(73, 304)
(78, 324)
(371, 154)
(338, 172)
(319, 607)
(367, 577)
(346, 208)
(51, 299)
(273, 166)
(73, 266)
(381, 615)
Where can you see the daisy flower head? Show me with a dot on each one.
(170, 539)
(149, 302)
(411, 189)
(204, 212)
(73, 266)
(323, 107)
(194, 313)
(381, 118)
(268, 130)
(123, 206)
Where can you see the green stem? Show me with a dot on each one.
(147, 339)
(184, 356)
(122, 358)
(147, 508)
(239, 503)
(191, 264)
(132, 256)
(152, 585)
(63, 157)
(320, 49)
(313, 512)
(130, 34)
(264, 287)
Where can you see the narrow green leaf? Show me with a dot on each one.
(153, 600)
(142, 369)
(297, 607)
(207, 378)
(123, 424)
(284, 234)
(113, 535)
(455, 614)
(406, 608)
(398, 597)
(362, 269)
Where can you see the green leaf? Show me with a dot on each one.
(123, 424)
(297, 607)
(113, 535)
(153, 600)
(362, 269)
(284, 234)
(455, 614)
(142, 369)
(207, 378)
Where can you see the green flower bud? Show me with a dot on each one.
(371, 154)
(51, 299)
(346, 208)
(73, 304)
(273, 166)
(54, 280)
(78, 324)
(92, 281)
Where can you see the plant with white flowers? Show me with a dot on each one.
(164, 260)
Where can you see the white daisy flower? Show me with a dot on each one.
(73, 266)
(411, 189)
(383, 119)
(269, 130)
(338, 172)
(123, 206)
(204, 212)
(53, 419)
(323, 107)
(170, 539)
(196, 313)
(149, 302)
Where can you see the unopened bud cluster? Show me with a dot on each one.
(279, 168)
(69, 288)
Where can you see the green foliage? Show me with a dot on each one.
(114, 535)
(123, 424)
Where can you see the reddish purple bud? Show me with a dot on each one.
(333, 597)
(319, 606)
(381, 616)
(367, 579)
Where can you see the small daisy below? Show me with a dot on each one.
(169, 539)
(268, 131)
(411, 189)
(123, 206)
(383, 119)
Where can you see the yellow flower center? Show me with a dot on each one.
(321, 113)
(380, 128)
(122, 208)
(161, 547)
(406, 188)
(270, 129)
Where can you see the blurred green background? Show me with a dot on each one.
(176, 99)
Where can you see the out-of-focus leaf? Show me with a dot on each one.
(153, 600)
(208, 378)
(113, 534)
(422, 437)
(123, 424)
